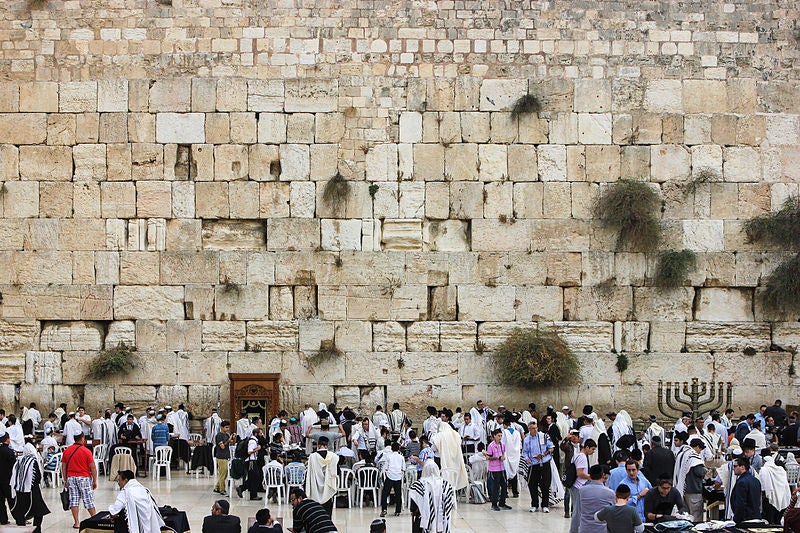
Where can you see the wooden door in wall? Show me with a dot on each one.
(256, 394)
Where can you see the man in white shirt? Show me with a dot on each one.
(84, 420)
(396, 418)
(50, 424)
(14, 431)
(34, 415)
(243, 426)
(380, 419)
(394, 465)
(431, 424)
(71, 428)
(254, 473)
(366, 436)
(470, 434)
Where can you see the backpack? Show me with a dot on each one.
(570, 475)
(241, 449)
(238, 469)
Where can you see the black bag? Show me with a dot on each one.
(570, 475)
(241, 449)
(238, 468)
(65, 493)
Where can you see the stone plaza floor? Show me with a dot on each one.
(195, 496)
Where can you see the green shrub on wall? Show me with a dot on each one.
(673, 267)
(631, 209)
(112, 362)
(536, 357)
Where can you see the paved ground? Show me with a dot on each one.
(195, 497)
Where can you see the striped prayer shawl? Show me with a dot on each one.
(435, 509)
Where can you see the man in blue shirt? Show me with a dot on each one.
(537, 451)
(618, 474)
(160, 433)
(639, 486)
(425, 453)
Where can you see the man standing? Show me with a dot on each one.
(744, 427)
(582, 477)
(571, 447)
(395, 467)
(537, 450)
(470, 434)
(638, 485)
(321, 476)
(308, 516)
(478, 415)
(659, 462)
(84, 420)
(621, 517)
(746, 496)
(71, 428)
(7, 460)
(181, 430)
(592, 497)
(222, 453)
(496, 455)
(219, 521)
(34, 415)
(512, 439)
(80, 473)
(396, 419)
(254, 473)
(690, 479)
(211, 426)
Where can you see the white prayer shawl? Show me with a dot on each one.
(458, 420)
(380, 419)
(362, 439)
(654, 431)
(448, 442)
(790, 459)
(430, 426)
(23, 470)
(563, 423)
(182, 424)
(71, 428)
(480, 423)
(321, 476)
(623, 425)
(307, 419)
(141, 510)
(212, 426)
(680, 426)
(243, 428)
(17, 438)
(526, 417)
(685, 461)
(435, 499)
(774, 484)
(513, 443)
(599, 427)
(59, 413)
(556, 487)
(396, 420)
(758, 437)
(728, 479)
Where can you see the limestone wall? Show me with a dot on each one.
(164, 169)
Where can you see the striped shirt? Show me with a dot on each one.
(310, 517)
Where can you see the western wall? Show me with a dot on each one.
(164, 168)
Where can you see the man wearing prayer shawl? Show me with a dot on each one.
(321, 475)
(432, 501)
(512, 439)
(776, 490)
(448, 442)
(141, 511)
(622, 425)
(26, 491)
(478, 414)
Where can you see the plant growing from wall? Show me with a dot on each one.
(112, 362)
(536, 357)
(673, 267)
(631, 209)
(373, 188)
(622, 363)
(336, 191)
(780, 229)
(327, 350)
(703, 175)
(525, 105)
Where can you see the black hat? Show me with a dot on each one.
(652, 418)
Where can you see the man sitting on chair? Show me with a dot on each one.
(140, 510)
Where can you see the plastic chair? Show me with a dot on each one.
(122, 449)
(273, 479)
(792, 475)
(344, 483)
(295, 477)
(55, 474)
(408, 479)
(367, 482)
(479, 472)
(100, 453)
(163, 459)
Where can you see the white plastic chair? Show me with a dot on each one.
(163, 459)
(792, 475)
(119, 450)
(344, 483)
(230, 483)
(367, 482)
(273, 479)
(100, 454)
(295, 477)
(55, 475)
(408, 479)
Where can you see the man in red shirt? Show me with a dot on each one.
(80, 473)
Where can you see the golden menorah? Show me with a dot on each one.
(683, 396)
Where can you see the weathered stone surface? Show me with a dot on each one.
(673, 305)
(180, 128)
(423, 337)
(539, 303)
(729, 305)
(202, 399)
(388, 337)
(223, 335)
(173, 395)
(72, 336)
(311, 95)
(587, 336)
(43, 368)
(271, 336)
(727, 337)
(481, 303)
(667, 336)
(18, 335)
(401, 234)
(598, 302)
(203, 367)
(160, 303)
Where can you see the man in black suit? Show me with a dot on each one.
(7, 460)
(659, 462)
(219, 521)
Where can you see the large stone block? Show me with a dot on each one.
(338, 235)
(242, 302)
(171, 95)
(203, 398)
(587, 336)
(667, 336)
(401, 234)
(669, 162)
(19, 335)
(481, 303)
(221, 336)
(45, 163)
(180, 128)
(157, 303)
(598, 302)
(673, 305)
(533, 304)
(703, 235)
(704, 96)
(173, 395)
(725, 305)
(423, 337)
(43, 368)
(72, 336)
(293, 234)
(592, 96)
(25, 128)
(727, 337)
(178, 268)
(233, 235)
(78, 97)
(272, 335)
(311, 95)
(594, 128)
(446, 236)
(664, 96)
(500, 94)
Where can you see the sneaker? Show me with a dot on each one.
(383, 513)
(545, 509)
(496, 508)
(533, 510)
(507, 507)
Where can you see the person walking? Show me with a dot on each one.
(80, 473)
(26, 479)
(7, 460)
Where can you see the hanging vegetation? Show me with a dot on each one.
(673, 267)
(631, 209)
(536, 357)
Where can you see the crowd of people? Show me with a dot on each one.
(609, 475)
